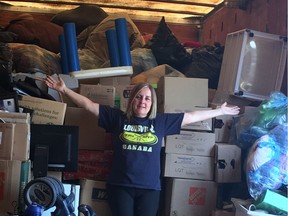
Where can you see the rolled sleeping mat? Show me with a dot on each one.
(71, 45)
(63, 54)
(123, 42)
(111, 38)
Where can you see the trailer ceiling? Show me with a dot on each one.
(175, 11)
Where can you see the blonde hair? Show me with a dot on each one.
(137, 88)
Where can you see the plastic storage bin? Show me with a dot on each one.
(253, 64)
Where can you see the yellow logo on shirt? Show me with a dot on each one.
(145, 138)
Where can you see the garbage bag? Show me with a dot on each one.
(167, 49)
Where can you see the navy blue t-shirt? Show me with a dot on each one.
(137, 146)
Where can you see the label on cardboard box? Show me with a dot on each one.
(191, 142)
(188, 166)
(44, 111)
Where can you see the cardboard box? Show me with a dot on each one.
(187, 197)
(219, 212)
(228, 163)
(44, 111)
(181, 93)
(188, 166)
(21, 148)
(101, 94)
(222, 134)
(123, 93)
(115, 80)
(205, 125)
(91, 136)
(211, 94)
(10, 171)
(222, 126)
(15, 117)
(7, 131)
(192, 143)
(153, 74)
(94, 194)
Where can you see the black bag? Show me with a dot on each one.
(167, 49)
(5, 67)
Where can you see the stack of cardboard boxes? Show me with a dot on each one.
(189, 156)
(190, 165)
(14, 160)
(95, 145)
(15, 164)
(193, 165)
(191, 168)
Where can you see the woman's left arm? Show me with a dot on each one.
(200, 115)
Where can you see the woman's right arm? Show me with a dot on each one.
(79, 100)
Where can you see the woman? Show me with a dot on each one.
(134, 182)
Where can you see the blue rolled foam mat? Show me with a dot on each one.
(63, 54)
(111, 37)
(71, 45)
(123, 42)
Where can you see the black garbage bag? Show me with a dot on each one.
(167, 49)
(206, 63)
(6, 57)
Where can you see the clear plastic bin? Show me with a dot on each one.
(253, 64)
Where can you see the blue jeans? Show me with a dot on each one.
(126, 201)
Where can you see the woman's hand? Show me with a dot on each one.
(229, 110)
(57, 85)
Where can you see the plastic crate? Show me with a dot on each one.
(253, 64)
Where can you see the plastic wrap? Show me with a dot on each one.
(259, 121)
(262, 134)
(266, 165)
